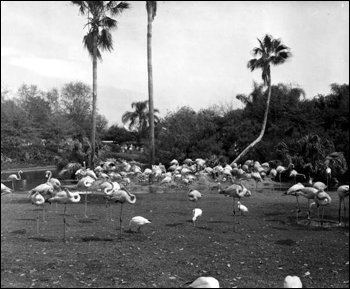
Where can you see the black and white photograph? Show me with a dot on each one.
(175, 144)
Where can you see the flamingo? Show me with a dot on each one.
(235, 191)
(292, 282)
(194, 196)
(46, 190)
(85, 182)
(120, 196)
(281, 169)
(294, 174)
(257, 178)
(329, 174)
(14, 178)
(54, 182)
(273, 174)
(5, 190)
(204, 282)
(322, 199)
(195, 214)
(343, 192)
(65, 197)
(307, 192)
(138, 221)
(242, 208)
(38, 200)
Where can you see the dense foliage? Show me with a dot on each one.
(312, 133)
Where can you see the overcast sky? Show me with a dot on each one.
(200, 50)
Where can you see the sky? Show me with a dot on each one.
(200, 50)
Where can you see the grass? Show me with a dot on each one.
(260, 251)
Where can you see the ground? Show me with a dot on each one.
(260, 251)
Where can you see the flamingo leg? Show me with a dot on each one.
(64, 223)
(298, 209)
(120, 220)
(44, 213)
(344, 212)
(339, 211)
(86, 203)
(107, 211)
(322, 226)
(37, 223)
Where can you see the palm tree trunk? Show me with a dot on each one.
(249, 147)
(150, 85)
(94, 100)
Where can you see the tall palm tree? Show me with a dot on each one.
(139, 118)
(271, 52)
(151, 7)
(98, 38)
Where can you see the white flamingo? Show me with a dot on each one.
(54, 182)
(204, 282)
(14, 178)
(120, 196)
(235, 191)
(5, 190)
(322, 199)
(294, 174)
(196, 213)
(343, 192)
(138, 222)
(38, 200)
(292, 282)
(46, 190)
(85, 182)
(65, 197)
(194, 196)
(281, 169)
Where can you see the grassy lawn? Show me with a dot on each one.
(259, 251)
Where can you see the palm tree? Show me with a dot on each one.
(98, 37)
(271, 52)
(151, 7)
(139, 117)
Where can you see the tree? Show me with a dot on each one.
(98, 37)
(139, 117)
(272, 52)
(151, 7)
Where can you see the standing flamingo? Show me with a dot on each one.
(85, 182)
(322, 199)
(329, 174)
(281, 169)
(14, 178)
(64, 197)
(257, 178)
(120, 196)
(108, 187)
(46, 190)
(235, 191)
(294, 174)
(307, 192)
(273, 174)
(5, 190)
(54, 182)
(196, 213)
(343, 192)
(38, 200)
(138, 222)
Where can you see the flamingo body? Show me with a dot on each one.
(5, 190)
(205, 282)
(138, 222)
(292, 282)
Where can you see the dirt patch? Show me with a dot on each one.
(259, 250)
